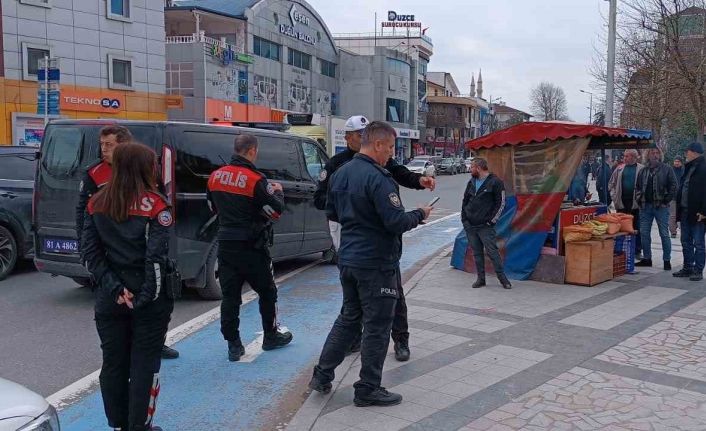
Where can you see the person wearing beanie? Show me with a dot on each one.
(678, 168)
(691, 213)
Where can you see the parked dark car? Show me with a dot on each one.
(189, 153)
(16, 184)
(448, 166)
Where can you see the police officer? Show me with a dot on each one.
(97, 176)
(365, 200)
(125, 246)
(354, 129)
(246, 205)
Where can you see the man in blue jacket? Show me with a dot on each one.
(365, 200)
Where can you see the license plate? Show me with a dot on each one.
(58, 245)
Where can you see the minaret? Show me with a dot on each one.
(480, 84)
(473, 85)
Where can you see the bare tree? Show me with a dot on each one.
(660, 65)
(548, 102)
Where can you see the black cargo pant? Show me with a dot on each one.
(369, 298)
(239, 262)
(400, 326)
(132, 342)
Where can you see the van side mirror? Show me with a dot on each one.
(37, 155)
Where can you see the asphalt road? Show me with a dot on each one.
(48, 337)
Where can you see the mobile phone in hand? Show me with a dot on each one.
(433, 201)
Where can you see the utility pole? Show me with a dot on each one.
(610, 81)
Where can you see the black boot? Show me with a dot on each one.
(169, 353)
(378, 397)
(276, 339)
(667, 265)
(682, 273)
(504, 281)
(644, 263)
(319, 386)
(402, 351)
(235, 350)
(697, 276)
(480, 281)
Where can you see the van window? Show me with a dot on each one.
(17, 167)
(204, 152)
(69, 149)
(313, 159)
(62, 151)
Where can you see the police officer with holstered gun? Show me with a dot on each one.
(246, 205)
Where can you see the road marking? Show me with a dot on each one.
(433, 222)
(452, 229)
(73, 392)
(70, 394)
(254, 349)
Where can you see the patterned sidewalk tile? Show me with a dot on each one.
(674, 346)
(620, 310)
(582, 399)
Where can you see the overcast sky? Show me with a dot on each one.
(517, 43)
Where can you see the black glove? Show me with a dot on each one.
(142, 299)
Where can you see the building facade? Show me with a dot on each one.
(107, 60)
(250, 61)
(414, 46)
(382, 86)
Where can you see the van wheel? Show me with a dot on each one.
(8, 252)
(330, 256)
(212, 289)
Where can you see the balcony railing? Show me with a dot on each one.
(202, 38)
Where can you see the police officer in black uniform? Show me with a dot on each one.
(354, 128)
(125, 246)
(246, 205)
(97, 176)
(365, 200)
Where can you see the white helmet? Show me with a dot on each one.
(356, 123)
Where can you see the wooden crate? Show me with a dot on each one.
(590, 262)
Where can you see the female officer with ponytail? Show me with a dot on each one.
(125, 245)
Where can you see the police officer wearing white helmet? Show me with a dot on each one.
(354, 131)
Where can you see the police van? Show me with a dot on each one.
(188, 153)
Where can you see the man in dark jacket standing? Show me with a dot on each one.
(656, 187)
(365, 200)
(483, 203)
(354, 131)
(691, 203)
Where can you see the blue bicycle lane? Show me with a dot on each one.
(203, 391)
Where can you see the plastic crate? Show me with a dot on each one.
(619, 267)
(626, 244)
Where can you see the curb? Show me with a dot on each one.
(309, 412)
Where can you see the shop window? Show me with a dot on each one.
(119, 10)
(31, 54)
(299, 59)
(120, 73)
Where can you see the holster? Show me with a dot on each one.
(172, 280)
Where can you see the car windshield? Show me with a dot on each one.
(447, 161)
(417, 163)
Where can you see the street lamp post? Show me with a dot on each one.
(491, 125)
(610, 81)
(590, 106)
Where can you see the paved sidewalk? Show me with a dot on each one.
(626, 355)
